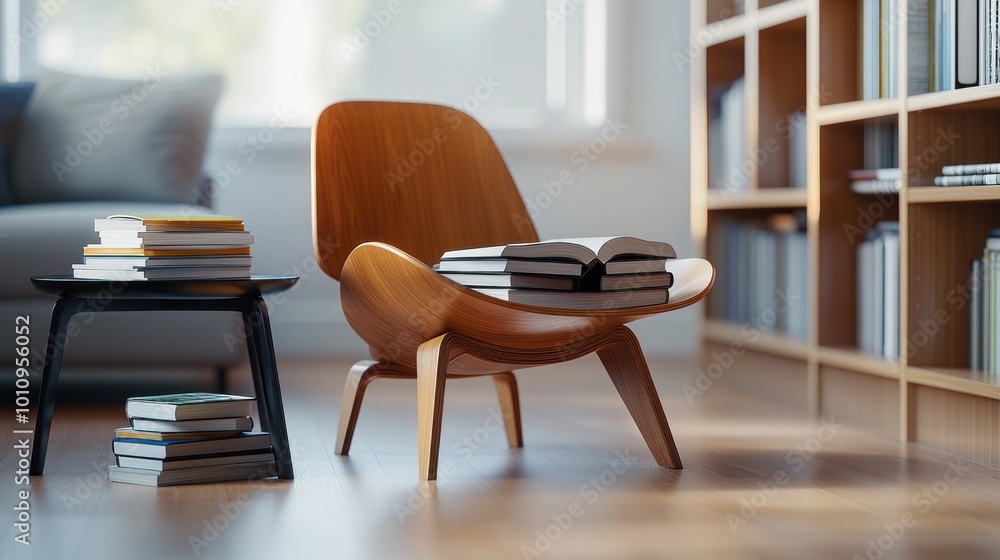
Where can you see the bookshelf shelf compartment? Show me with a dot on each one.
(809, 52)
(853, 359)
(852, 111)
(967, 381)
(781, 198)
(982, 97)
(922, 195)
(774, 13)
(722, 10)
(724, 332)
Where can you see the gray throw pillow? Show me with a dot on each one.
(87, 138)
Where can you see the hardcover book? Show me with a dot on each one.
(189, 406)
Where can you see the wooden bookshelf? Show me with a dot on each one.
(797, 54)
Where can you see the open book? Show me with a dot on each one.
(583, 249)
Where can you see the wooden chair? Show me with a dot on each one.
(397, 184)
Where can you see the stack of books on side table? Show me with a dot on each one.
(190, 438)
(167, 247)
(581, 273)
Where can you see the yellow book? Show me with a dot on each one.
(161, 436)
(165, 251)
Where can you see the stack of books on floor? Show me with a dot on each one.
(190, 438)
(878, 291)
(984, 309)
(968, 175)
(582, 273)
(167, 248)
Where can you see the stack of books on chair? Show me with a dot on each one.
(190, 438)
(167, 248)
(582, 273)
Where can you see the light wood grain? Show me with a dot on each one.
(377, 233)
(489, 503)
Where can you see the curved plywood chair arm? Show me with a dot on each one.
(395, 303)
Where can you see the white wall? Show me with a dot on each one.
(639, 186)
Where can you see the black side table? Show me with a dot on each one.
(243, 295)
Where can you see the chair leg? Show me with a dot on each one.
(510, 406)
(361, 374)
(628, 371)
(432, 368)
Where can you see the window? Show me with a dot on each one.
(513, 63)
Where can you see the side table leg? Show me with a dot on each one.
(253, 351)
(50, 379)
(269, 390)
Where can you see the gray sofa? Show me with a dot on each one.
(147, 163)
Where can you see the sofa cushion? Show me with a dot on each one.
(86, 138)
(46, 239)
(13, 98)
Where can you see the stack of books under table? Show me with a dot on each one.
(167, 247)
(580, 273)
(190, 438)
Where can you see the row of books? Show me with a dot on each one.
(950, 44)
(879, 45)
(984, 309)
(889, 180)
(878, 291)
(762, 274)
(580, 273)
(167, 247)
(190, 438)
(729, 159)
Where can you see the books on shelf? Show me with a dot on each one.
(762, 277)
(875, 181)
(963, 48)
(727, 134)
(190, 438)
(577, 273)
(966, 175)
(878, 291)
(879, 46)
(984, 287)
(167, 247)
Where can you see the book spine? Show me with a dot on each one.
(966, 43)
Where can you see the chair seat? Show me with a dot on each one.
(395, 303)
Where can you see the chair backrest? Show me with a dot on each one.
(423, 178)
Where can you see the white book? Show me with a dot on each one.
(581, 249)
(195, 475)
(976, 315)
(966, 43)
(878, 291)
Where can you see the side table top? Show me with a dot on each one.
(214, 288)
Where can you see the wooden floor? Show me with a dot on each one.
(761, 480)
